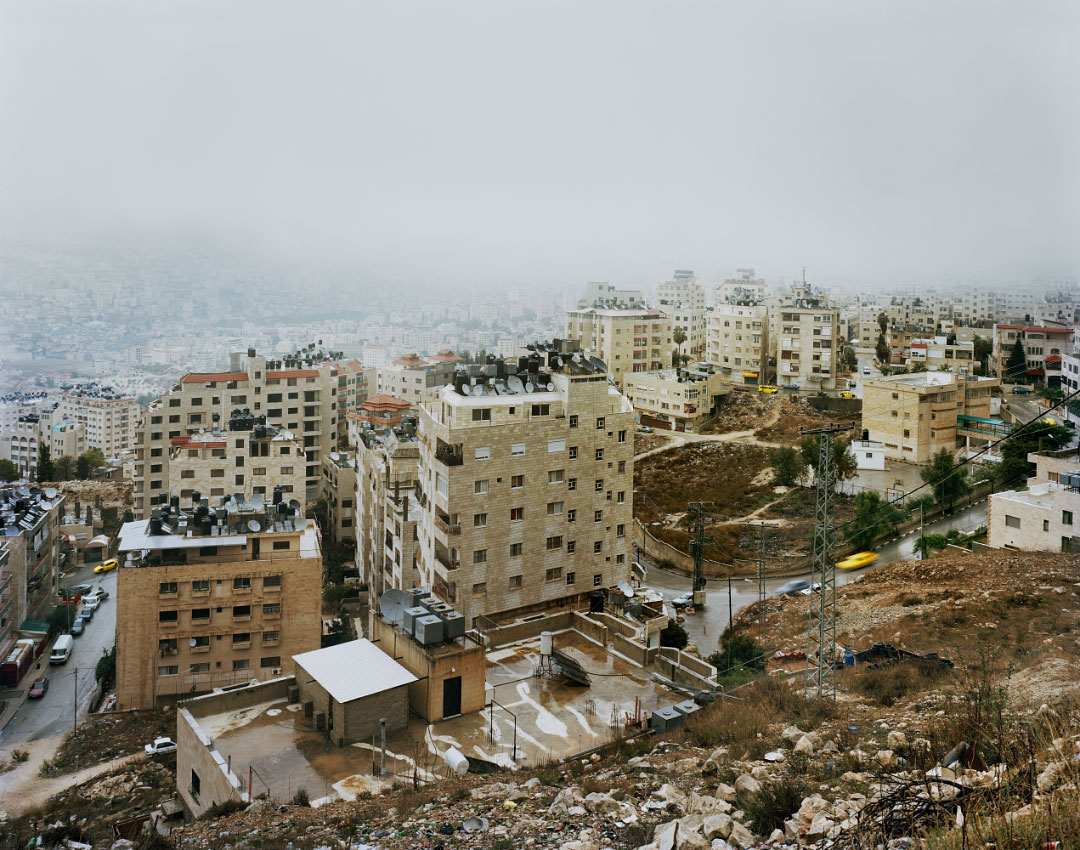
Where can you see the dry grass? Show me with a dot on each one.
(721, 473)
(109, 737)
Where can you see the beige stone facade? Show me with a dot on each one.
(677, 399)
(298, 395)
(527, 496)
(110, 423)
(915, 415)
(203, 612)
(337, 489)
(1043, 518)
(805, 339)
(938, 355)
(1044, 347)
(628, 341)
(737, 343)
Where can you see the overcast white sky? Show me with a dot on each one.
(554, 142)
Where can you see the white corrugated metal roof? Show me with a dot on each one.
(353, 670)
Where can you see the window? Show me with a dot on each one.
(1066, 517)
(200, 615)
(201, 667)
(554, 543)
(167, 646)
(541, 410)
(517, 514)
(622, 436)
(571, 547)
(1012, 521)
(597, 547)
(571, 515)
(622, 497)
(239, 611)
(517, 449)
(596, 580)
(555, 508)
(241, 664)
(200, 586)
(480, 588)
(280, 545)
(480, 488)
(573, 453)
(556, 476)
(599, 485)
(217, 473)
(241, 584)
(554, 574)
(620, 530)
(515, 582)
(167, 587)
(241, 637)
(479, 556)
(271, 582)
(622, 466)
(517, 482)
(1046, 525)
(600, 423)
(271, 637)
(573, 421)
(620, 558)
(598, 516)
(479, 520)
(270, 661)
(556, 445)
(570, 577)
(482, 453)
(515, 549)
(271, 609)
(481, 414)
(168, 616)
(168, 670)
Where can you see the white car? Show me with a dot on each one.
(98, 593)
(160, 746)
(91, 603)
(866, 370)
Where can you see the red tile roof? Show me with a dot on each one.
(384, 400)
(206, 377)
(411, 359)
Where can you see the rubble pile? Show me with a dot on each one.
(795, 415)
(744, 411)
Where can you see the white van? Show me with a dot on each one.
(61, 650)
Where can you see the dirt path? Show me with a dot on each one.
(25, 788)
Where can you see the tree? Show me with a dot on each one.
(82, 468)
(851, 359)
(843, 461)
(949, 484)
(882, 321)
(927, 544)
(678, 336)
(788, 465)
(918, 367)
(674, 636)
(64, 468)
(982, 349)
(881, 349)
(740, 652)
(873, 518)
(45, 471)
(105, 671)
(60, 619)
(924, 501)
(1016, 365)
(89, 462)
(8, 471)
(1022, 440)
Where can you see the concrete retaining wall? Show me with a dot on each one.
(632, 649)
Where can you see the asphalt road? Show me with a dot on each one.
(706, 626)
(53, 714)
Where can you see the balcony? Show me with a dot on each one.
(445, 527)
(448, 455)
(446, 560)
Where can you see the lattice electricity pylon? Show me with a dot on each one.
(821, 630)
(697, 549)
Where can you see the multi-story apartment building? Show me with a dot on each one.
(1070, 384)
(737, 342)
(410, 377)
(805, 339)
(527, 490)
(22, 442)
(298, 394)
(916, 415)
(937, 354)
(246, 455)
(900, 338)
(603, 294)
(1044, 346)
(388, 506)
(337, 490)
(1043, 518)
(355, 384)
(110, 420)
(30, 531)
(628, 341)
(214, 597)
(741, 290)
(677, 399)
(683, 299)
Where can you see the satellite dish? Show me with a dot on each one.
(50, 493)
(334, 456)
(550, 386)
(231, 506)
(300, 523)
(626, 589)
(192, 642)
(465, 390)
(514, 382)
(392, 605)
(253, 526)
(598, 364)
(529, 387)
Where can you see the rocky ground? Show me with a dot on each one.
(774, 767)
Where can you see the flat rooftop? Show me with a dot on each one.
(549, 718)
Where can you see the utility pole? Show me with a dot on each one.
(821, 634)
(75, 713)
(922, 543)
(761, 586)
(697, 550)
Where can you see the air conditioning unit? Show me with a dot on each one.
(276, 671)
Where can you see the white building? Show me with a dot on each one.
(1043, 518)
(869, 454)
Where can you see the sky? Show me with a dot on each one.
(486, 144)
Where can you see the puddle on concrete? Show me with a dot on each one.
(218, 724)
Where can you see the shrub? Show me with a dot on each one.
(220, 810)
(773, 804)
(666, 564)
(300, 798)
(674, 635)
(890, 684)
(20, 756)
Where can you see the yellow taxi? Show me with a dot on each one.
(846, 394)
(766, 388)
(105, 566)
(857, 561)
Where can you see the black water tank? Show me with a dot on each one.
(596, 602)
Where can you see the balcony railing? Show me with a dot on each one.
(446, 527)
(449, 457)
(447, 562)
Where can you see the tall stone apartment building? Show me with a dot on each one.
(737, 342)
(232, 602)
(110, 421)
(337, 490)
(356, 383)
(916, 415)
(527, 495)
(298, 394)
(1044, 347)
(388, 506)
(410, 377)
(627, 340)
(805, 339)
(684, 300)
(29, 558)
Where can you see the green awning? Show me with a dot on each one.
(34, 626)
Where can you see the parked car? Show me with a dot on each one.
(791, 386)
(846, 394)
(1022, 390)
(81, 589)
(793, 587)
(78, 627)
(86, 615)
(110, 564)
(100, 592)
(91, 603)
(37, 690)
(160, 746)
(866, 370)
(645, 429)
(683, 601)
